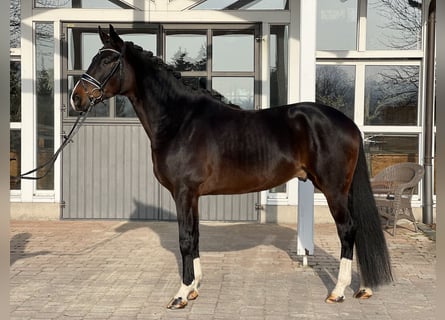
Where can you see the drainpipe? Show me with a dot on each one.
(427, 212)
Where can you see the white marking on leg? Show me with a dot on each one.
(184, 291)
(344, 277)
(198, 272)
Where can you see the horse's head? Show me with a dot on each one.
(104, 77)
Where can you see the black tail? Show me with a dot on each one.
(371, 249)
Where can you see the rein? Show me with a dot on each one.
(98, 86)
(66, 139)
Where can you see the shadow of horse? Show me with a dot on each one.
(238, 236)
(17, 246)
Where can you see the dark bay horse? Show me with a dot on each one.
(202, 146)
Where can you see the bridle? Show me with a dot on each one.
(97, 85)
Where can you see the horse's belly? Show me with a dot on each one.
(232, 180)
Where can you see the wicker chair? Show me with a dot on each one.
(393, 188)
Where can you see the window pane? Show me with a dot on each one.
(78, 4)
(148, 41)
(14, 158)
(282, 188)
(266, 5)
(394, 24)
(82, 47)
(278, 48)
(335, 86)
(124, 108)
(237, 90)
(15, 91)
(102, 109)
(243, 5)
(214, 4)
(14, 23)
(186, 51)
(391, 95)
(336, 25)
(385, 150)
(45, 100)
(233, 52)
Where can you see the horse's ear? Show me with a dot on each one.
(105, 38)
(115, 40)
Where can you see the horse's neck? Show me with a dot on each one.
(160, 105)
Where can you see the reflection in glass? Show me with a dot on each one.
(83, 46)
(148, 41)
(90, 4)
(335, 86)
(186, 52)
(14, 23)
(243, 5)
(336, 25)
(237, 90)
(233, 52)
(394, 25)
(385, 150)
(124, 108)
(15, 91)
(278, 48)
(101, 109)
(14, 158)
(391, 95)
(44, 88)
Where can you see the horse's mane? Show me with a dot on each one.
(190, 86)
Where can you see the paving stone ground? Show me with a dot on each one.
(129, 270)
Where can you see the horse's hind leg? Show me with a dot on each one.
(346, 232)
(188, 223)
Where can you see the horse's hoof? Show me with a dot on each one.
(193, 295)
(331, 299)
(363, 294)
(177, 303)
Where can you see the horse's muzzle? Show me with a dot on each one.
(80, 100)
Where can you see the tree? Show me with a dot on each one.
(335, 88)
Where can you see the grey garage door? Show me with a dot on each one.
(108, 174)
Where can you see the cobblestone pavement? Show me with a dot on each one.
(129, 270)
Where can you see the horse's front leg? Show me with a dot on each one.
(188, 222)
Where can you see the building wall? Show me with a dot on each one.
(383, 130)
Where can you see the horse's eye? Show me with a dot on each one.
(107, 61)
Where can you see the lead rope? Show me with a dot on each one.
(66, 140)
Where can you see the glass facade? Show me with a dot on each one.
(15, 33)
(391, 95)
(44, 89)
(336, 25)
(241, 59)
(372, 72)
(278, 75)
(335, 87)
(394, 25)
(90, 4)
(186, 51)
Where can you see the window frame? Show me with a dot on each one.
(361, 58)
